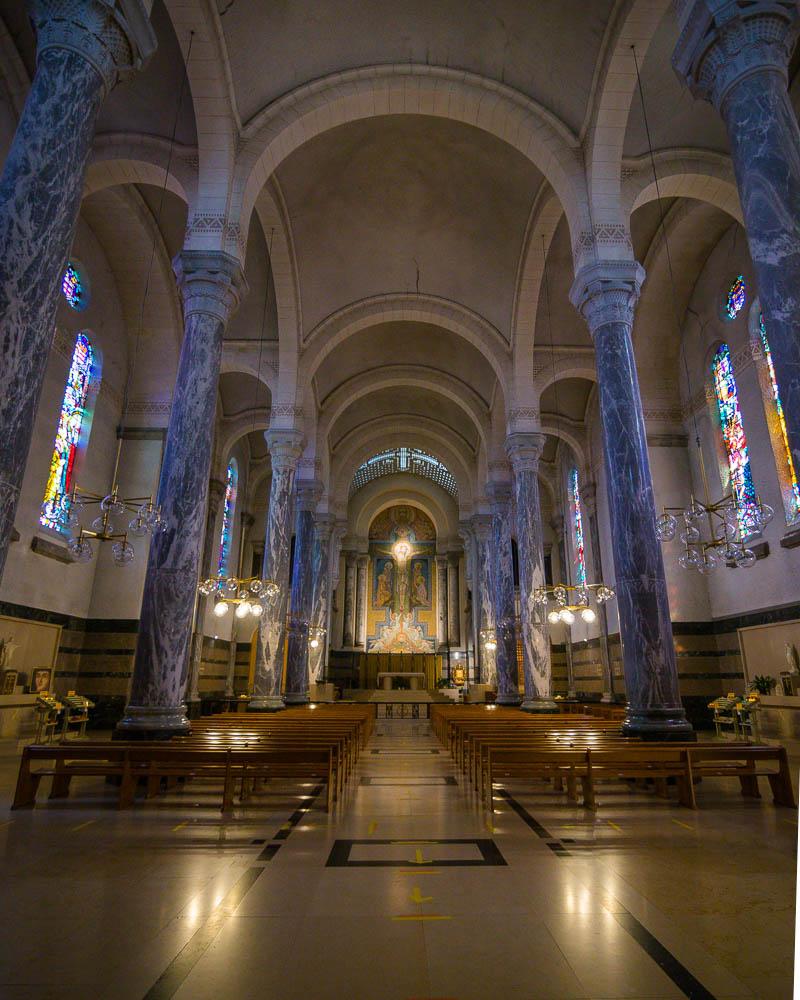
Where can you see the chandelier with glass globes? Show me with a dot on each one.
(245, 596)
(714, 534)
(67, 508)
(566, 602)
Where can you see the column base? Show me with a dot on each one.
(607, 698)
(266, 703)
(658, 724)
(152, 722)
(507, 698)
(296, 698)
(540, 706)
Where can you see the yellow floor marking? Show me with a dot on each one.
(82, 826)
(180, 826)
(413, 843)
(489, 826)
(417, 897)
(372, 828)
(412, 871)
(684, 825)
(614, 825)
(422, 916)
(418, 858)
(792, 821)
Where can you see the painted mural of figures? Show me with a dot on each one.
(385, 589)
(402, 590)
(419, 585)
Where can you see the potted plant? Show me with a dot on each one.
(763, 684)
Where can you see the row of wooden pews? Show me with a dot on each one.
(504, 745)
(232, 751)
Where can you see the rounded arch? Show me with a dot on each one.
(368, 503)
(128, 158)
(683, 173)
(567, 365)
(436, 91)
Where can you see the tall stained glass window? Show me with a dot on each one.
(733, 436)
(577, 529)
(228, 507)
(55, 508)
(72, 287)
(783, 453)
(736, 298)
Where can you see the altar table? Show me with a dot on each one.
(385, 678)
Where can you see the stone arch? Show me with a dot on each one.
(373, 499)
(131, 158)
(568, 365)
(698, 174)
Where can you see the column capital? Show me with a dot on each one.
(441, 560)
(482, 527)
(247, 520)
(211, 283)
(350, 557)
(499, 494)
(324, 525)
(589, 497)
(285, 447)
(723, 41)
(362, 560)
(607, 292)
(114, 37)
(454, 557)
(216, 491)
(557, 524)
(309, 492)
(524, 450)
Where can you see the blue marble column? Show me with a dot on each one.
(321, 590)
(524, 451)
(567, 578)
(606, 294)
(208, 567)
(307, 496)
(284, 447)
(246, 522)
(737, 56)
(211, 285)
(589, 500)
(502, 575)
(482, 529)
(82, 49)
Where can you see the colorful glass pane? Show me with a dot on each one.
(228, 506)
(776, 399)
(733, 436)
(55, 509)
(737, 296)
(577, 529)
(72, 287)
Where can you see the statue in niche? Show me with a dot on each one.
(384, 589)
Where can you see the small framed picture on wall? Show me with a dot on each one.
(40, 680)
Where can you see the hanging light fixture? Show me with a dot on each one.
(714, 532)
(147, 519)
(244, 596)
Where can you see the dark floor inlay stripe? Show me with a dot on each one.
(524, 815)
(670, 965)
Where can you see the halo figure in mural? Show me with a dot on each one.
(384, 590)
(419, 585)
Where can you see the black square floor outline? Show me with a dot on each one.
(490, 854)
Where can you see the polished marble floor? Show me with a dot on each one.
(412, 892)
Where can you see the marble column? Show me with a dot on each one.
(482, 529)
(284, 448)
(83, 48)
(208, 567)
(361, 601)
(297, 673)
(563, 555)
(453, 603)
(320, 600)
(211, 285)
(246, 522)
(348, 634)
(467, 536)
(441, 601)
(589, 499)
(502, 569)
(524, 451)
(736, 56)
(606, 294)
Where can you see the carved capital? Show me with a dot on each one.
(309, 492)
(499, 496)
(722, 43)
(324, 525)
(482, 527)
(589, 498)
(607, 292)
(210, 283)
(216, 491)
(285, 448)
(114, 37)
(524, 451)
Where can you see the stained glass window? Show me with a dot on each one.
(55, 509)
(733, 436)
(72, 287)
(577, 529)
(736, 298)
(228, 507)
(783, 452)
(411, 460)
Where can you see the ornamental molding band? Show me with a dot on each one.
(210, 282)
(285, 410)
(116, 38)
(214, 224)
(603, 235)
(524, 415)
(721, 44)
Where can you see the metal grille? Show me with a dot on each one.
(410, 460)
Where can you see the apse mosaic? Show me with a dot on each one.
(401, 616)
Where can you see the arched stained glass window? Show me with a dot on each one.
(736, 298)
(72, 287)
(55, 508)
(228, 507)
(411, 460)
(778, 433)
(577, 529)
(734, 440)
